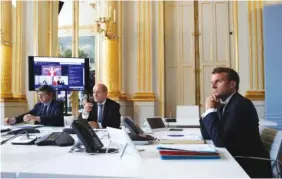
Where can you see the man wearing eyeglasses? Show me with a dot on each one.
(48, 111)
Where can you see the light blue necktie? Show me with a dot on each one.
(100, 113)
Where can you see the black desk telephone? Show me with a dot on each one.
(89, 138)
(19, 130)
(136, 133)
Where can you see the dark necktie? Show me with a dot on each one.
(100, 113)
(220, 111)
(44, 110)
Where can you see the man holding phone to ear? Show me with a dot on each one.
(104, 112)
(231, 121)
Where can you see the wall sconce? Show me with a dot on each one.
(107, 27)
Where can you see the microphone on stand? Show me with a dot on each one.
(168, 120)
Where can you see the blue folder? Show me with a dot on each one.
(164, 157)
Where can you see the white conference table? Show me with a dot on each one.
(52, 161)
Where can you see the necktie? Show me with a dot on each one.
(220, 111)
(100, 113)
(44, 110)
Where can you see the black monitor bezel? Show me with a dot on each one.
(31, 76)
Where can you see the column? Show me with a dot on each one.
(256, 57)
(19, 86)
(111, 61)
(6, 50)
(144, 99)
(75, 30)
(161, 60)
(52, 14)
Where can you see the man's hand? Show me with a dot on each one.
(9, 121)
(30, 117)
(88, 107)
(212, 102)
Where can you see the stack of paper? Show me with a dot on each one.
(191, 151)
(181, 139)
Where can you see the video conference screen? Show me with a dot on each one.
(70, 74)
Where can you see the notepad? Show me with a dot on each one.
(190, 147)
(181, 139)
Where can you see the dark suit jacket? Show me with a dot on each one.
(111, 114)
(54, 117)
(238, 131)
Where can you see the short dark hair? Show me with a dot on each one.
(46, 88)
(232, 74)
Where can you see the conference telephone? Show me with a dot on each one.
(136, 133)
(89, 138)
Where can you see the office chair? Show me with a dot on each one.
(272, 141)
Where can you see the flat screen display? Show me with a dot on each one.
(156, 122)
(70, 74)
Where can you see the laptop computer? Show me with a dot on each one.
(157, 124)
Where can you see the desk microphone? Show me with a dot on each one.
(168, 120)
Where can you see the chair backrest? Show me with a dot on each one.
(272, 141)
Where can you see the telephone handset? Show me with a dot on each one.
(136, 132)
(132, 127)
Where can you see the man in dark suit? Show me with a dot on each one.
(231, 121)
(48, 111)
(104, 112)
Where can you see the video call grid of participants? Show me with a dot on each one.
(50, 75)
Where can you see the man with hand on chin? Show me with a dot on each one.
(231, 121)
(48, 111)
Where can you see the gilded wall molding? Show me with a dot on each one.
(144, 54)
(18, 78)
(161, 66)
(235, 33)
(6, 51)
(123, 95)
(197, 54)
(256, 57)
(255, 95)
(144, 96)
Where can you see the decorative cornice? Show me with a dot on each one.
(117, 96)
(255, 95)
(19, 97)
(144, 96)
(9, 99)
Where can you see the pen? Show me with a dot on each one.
(175, 135)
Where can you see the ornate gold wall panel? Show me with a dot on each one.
(53, 27)
(111, 72)
(144, 54)
(256, 51)
(6, 51)
(18, 78)
(119, 20)
(235, 34)
(161, 70)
